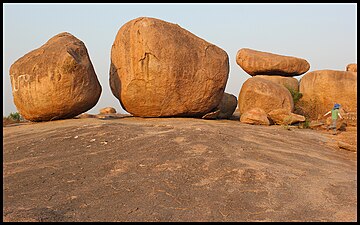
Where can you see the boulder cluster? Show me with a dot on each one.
(265, 98)
(159, 69)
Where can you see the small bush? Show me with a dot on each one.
(15, 117)
(296, 95)
(305, 124)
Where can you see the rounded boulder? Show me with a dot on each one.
(260, 93)
(321, 89)
(55, 81)
(159, 69)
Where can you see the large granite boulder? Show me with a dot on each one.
(352, 67)
(55, 81)
(256, 62)
(264, 94)
(288, 82)
(159, 69)
(321, 89)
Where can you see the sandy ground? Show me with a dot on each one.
(176, 169)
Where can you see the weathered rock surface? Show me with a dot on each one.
(288, 82)
(255, 116)
(159, 69)
(264, 94)
(352, 67)
(107, 110)
(176, 169)
(322, 88)
(55, 81)
(285, 117)
(264, 63)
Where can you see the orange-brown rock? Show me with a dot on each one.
(85, 115)
(264, 94)
(288, 82)
(255, 116)
(159, 69)
(227, 106)
(107, 110)
(211, 115)
(352, 67)
(285, 117)
(321, 89)
(55, 81)
(256, 62)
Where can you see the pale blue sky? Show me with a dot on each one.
(323, 34)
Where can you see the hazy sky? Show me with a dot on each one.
(323, 34)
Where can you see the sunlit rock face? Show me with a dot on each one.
(159, 69)
(55, 81)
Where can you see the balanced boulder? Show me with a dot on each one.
(256, 62)
(55, 81)
(265, 94)
(321, 89)
(159, 69)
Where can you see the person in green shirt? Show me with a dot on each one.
(335, 113)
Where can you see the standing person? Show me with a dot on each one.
(335, 113)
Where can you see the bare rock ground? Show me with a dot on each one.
(175, 169)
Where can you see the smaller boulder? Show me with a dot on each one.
(107, 110)
(255, 116)
(285, 117)
(352, 67)
(227, 106)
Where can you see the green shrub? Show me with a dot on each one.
(15, 116)
(305, 124)
(296, 95)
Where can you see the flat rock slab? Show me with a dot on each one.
(174, 169)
